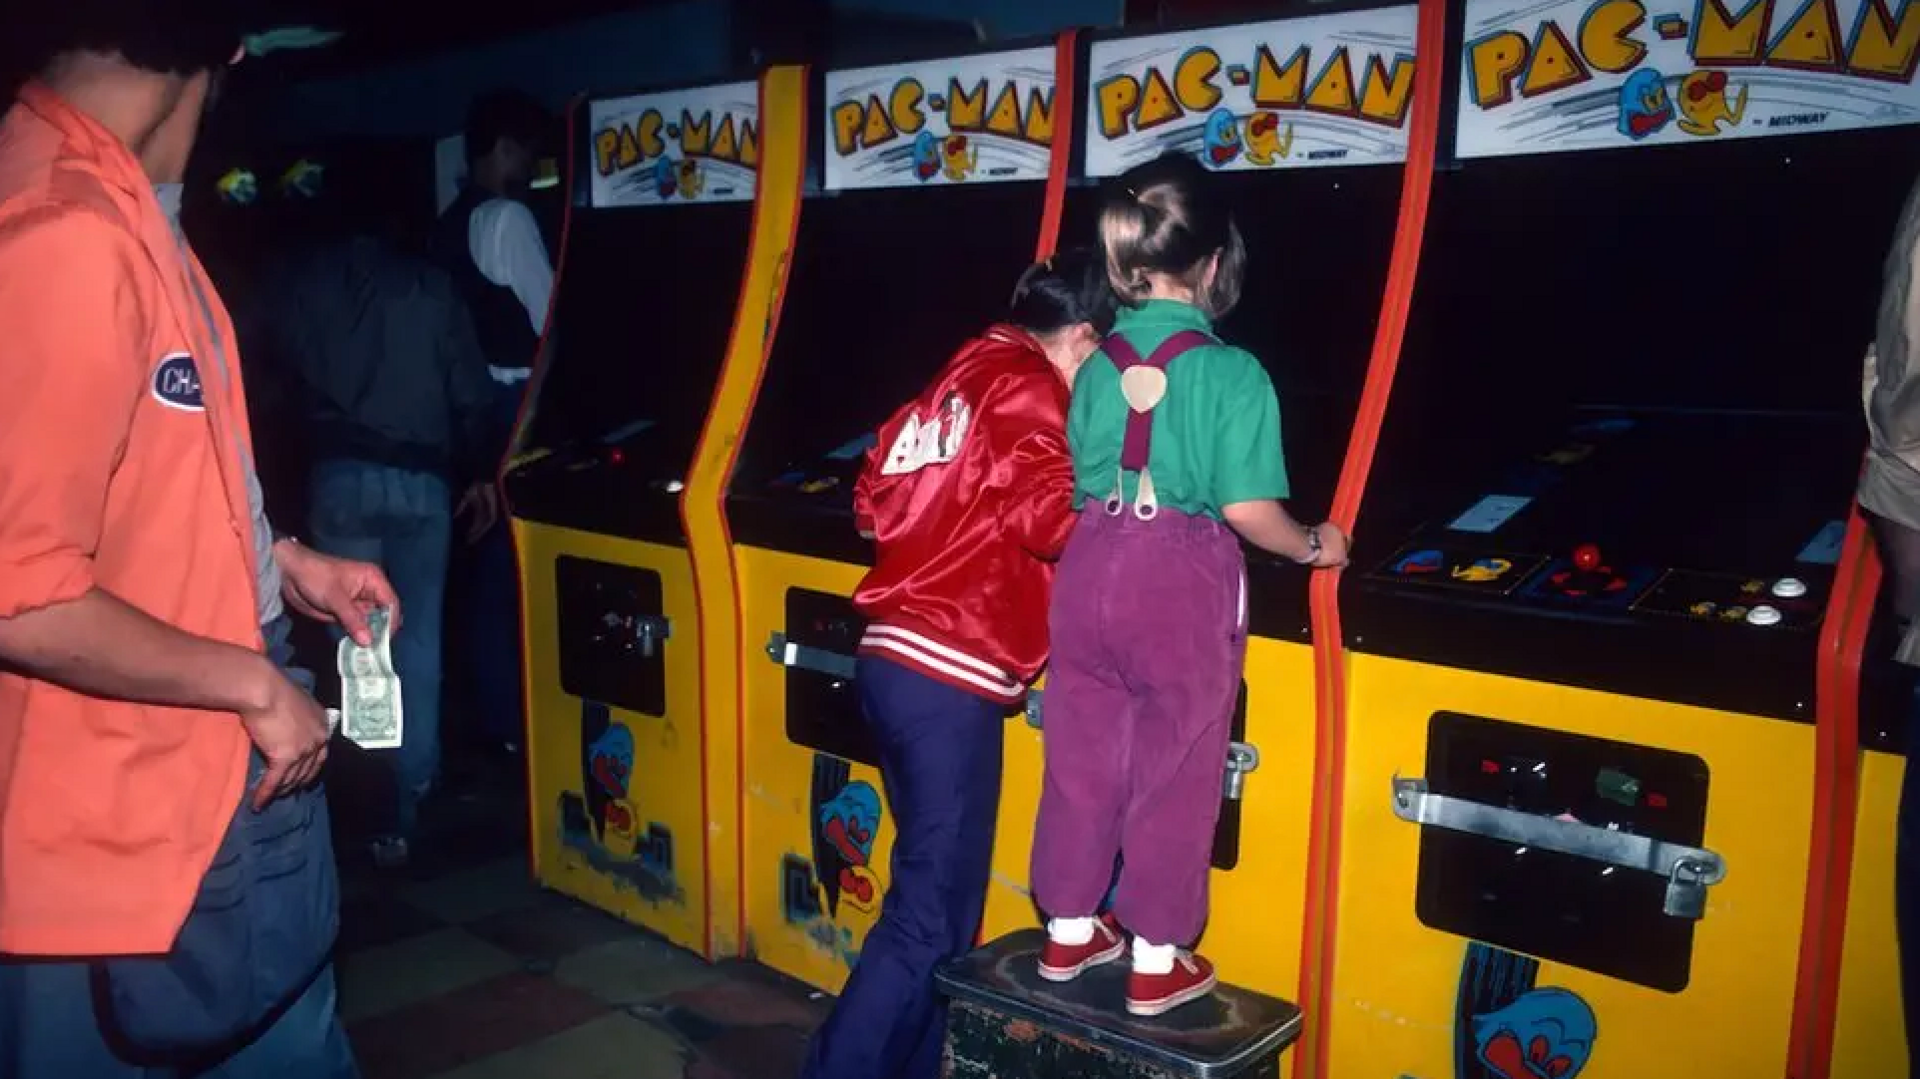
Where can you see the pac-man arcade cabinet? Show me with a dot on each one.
(678, 200)
(1598, 544)
(934, 184)
(1305, 122)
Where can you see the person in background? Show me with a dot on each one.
(1175, 462)
(968, 498)
(490, 242)
(1890, 495)
(164, 840)
(391, 389)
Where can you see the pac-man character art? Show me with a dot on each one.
(1420, 562)
(1545, 1034)
(692, 180)
(303, 179)
(1265, 143)
(926, 156)
(597, 740)
(1220, 140)
(1645, 107)
(238, 187)
(960, 157)
(1703, 103)
(666, 177)
(846, 824)
(1482, 570)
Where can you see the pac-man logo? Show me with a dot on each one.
(176, 383)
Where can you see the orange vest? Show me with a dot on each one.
(120, 469)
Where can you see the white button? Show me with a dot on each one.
(1789, 588)
(1764, 615)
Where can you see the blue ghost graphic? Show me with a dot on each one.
(1546, 1034)
(1644, 105)
(612, 757)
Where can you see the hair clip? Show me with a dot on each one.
(1132, 194)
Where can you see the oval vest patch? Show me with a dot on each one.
(176, 383)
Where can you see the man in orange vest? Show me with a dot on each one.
(169, 897)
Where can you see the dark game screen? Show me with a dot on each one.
(1661, 349)
(646, 306)
(884, 287)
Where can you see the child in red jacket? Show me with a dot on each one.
(968, 496)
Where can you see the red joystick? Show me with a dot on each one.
(1586, 557)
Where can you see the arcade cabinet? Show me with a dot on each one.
(1307, 129)
(1597, 548)
(932, 197)
(681, 208)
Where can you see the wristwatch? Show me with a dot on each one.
(1313, 546)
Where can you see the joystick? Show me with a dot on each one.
(1589, 575)
(1586, 558)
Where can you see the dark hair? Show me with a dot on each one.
(507, 115)
(1066, 290)
(171, 37)
(1158, 218)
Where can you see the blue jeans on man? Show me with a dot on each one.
(51, 1026)
(494, 592)
(402, 521)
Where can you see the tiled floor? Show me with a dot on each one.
(461, 968)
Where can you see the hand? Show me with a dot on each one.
(482, 500)
(335, 590)
(290, 730)
(1334, 546)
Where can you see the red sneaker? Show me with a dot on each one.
(1158, 994)
(1065, 962)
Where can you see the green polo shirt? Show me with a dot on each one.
(1216, 435)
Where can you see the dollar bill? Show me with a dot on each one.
(370, 712)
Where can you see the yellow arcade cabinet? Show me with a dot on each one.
(932, 197)
(1305, 121)
(1598, 544)
(682, 203)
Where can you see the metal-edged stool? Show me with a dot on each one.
(1007, 1021)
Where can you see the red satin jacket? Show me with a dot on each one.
(969, 497)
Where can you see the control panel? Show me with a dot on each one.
(1586, 912)
(614, 634)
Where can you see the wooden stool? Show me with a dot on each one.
(1007, 1022)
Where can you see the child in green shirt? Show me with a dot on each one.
(1176, 448)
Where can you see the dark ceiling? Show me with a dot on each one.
(380, 32)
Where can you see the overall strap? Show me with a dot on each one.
(1135, 450)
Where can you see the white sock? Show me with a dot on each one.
(1072, 932)
(1153, 958)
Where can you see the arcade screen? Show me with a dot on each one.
(1649, 365)
(640, 329)
(884, 286)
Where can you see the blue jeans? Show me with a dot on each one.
(401, 521)
(50, 1028)
(940, 756)
(494, 648)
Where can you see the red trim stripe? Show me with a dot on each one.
(1319, 933)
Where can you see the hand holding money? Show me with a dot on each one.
(370, 712)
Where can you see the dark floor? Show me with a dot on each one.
(461, 967)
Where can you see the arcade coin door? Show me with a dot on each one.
(1598, 546)
(656, 250)
(1307, 132)
(931, 202)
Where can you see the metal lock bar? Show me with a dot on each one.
(806, 658)
(645, 632)
(1242, 760)
(1690, 871)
